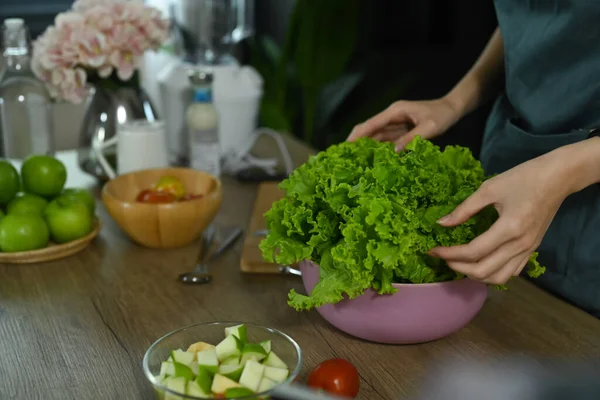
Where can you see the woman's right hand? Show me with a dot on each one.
(403, 120)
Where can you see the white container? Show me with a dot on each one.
(237, 92)
(140, 145)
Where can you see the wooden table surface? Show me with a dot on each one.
(78, 328)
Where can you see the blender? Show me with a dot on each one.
(204, 34)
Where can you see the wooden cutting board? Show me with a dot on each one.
(252, 260)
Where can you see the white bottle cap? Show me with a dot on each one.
(14, 24)
(16, 36)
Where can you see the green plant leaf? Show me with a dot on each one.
(272, 115)
(376, 103)
(325, 43)
(333, 95)
(271, 50)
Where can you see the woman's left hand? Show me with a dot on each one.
(527, 198)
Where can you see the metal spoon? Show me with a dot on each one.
(201, 274)
(287, 270)
(297, 392)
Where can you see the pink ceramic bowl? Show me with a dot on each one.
(416, 313)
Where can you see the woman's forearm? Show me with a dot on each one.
(579, 164)
(483, 80)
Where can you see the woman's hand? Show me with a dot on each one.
(403, 120)
(527, 198)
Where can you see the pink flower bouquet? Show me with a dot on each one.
(96, 42)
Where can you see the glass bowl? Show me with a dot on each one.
(214, 332)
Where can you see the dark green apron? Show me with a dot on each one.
(552, 58)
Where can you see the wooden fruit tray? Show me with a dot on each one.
(53, 251)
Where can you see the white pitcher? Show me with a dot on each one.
(141, 144)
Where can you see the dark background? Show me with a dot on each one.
(438, 41)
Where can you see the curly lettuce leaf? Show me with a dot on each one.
(367, 215)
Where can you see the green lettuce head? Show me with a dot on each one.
(367, 216)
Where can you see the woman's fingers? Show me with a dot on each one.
(482, 246)
(465, 210)
(523, 265)
(392, 115)
(487, 267)
(512, 268)
(388, 135)
(427, 130)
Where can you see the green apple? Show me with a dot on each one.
(231, 360)
(43, 175)
(231, 371)
(183, 371)
(193, 389)
(275, 374)
(83, 195)
(26, 203)
(266, 384)
(266, 345)
(9, 182)
(167, 368)
(252, 375)
(208, 359)
(204, 379)
(238, 392)
(239, 331)
(23, 232)
(176, 384)
(252, 351)
(273, 360)
(182, 357)
(230, 346)
(221, 383)
(68, 219)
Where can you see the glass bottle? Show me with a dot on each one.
(26, 123)
(203, 123)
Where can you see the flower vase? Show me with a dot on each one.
(106, 107)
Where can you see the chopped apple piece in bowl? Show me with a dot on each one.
(222, 360)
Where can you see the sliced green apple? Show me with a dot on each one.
(253, 351)
(208, 359)
(193, 389)
(167, 368)
(199, 346)
(177, 385)
(235, 360)
(273, 360)
(252, 375)
(239, 331)
(183, 357)
(234, 393)
(230, 346)
(231, 371)
(266, 384)
(278, 375)
(221, 383)
(204, 379)
(266, 345)
(183, 371)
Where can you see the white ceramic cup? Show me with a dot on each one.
(140, 145)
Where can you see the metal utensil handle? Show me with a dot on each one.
(226, 243)
(207, 240)
(297, 392)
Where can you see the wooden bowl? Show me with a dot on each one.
(53, 251)
(165, 225)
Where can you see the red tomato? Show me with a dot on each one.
(153, 196)
(189, 196)
(335, 376)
